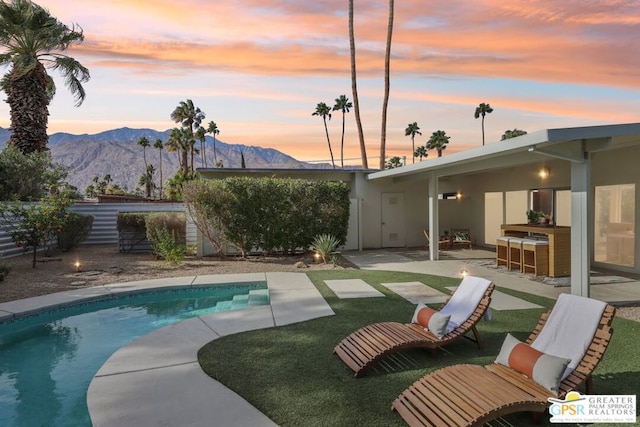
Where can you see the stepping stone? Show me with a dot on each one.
(415, 292)
(352, 288)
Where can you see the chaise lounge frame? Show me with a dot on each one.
(364, 348)
(471, 395)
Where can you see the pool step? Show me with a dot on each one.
(239, 301)
(224, 306)
(253, 298)
(258, 297)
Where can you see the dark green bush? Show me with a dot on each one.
(270, 213)
(76, 230)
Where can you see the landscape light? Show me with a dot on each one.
(77, 265)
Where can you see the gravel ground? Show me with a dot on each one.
(105, 265)
(56, 272)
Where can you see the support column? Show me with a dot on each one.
(581, 211)
(434, 230)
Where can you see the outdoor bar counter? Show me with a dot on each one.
(559, 244)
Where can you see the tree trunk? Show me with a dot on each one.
(29, 110)
(387, 84)
(185, 162)
(160, 196)
(354, 88)
(342, 142)
(326, 131)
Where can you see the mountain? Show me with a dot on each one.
(116, 152)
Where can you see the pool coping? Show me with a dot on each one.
(156, 379)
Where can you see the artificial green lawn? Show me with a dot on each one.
(291, 374)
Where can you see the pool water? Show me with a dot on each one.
(48, 360)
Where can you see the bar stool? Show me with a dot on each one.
(535, 257)
(502, 251)
(515, 253)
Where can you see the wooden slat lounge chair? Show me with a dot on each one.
(365, 347)
(471, 395)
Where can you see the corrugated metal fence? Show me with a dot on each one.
(104, 230)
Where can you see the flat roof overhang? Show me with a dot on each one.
(568, 143)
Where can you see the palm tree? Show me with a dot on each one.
(508, 134)
(201, 136)
(482, 110)
(438, 141)
(354, 88)
(323, 110)
(214, 130)
(392, 163)
(144, 143)
(342, 104)
(159, 145)
(32, 40)
(421, 152)
(387, 84)
(190, 117)
(412, 130)
(146, 180)
(179, 142)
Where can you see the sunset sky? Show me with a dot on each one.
(259, 67)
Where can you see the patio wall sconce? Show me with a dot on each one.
(544, 173)
(458, 195)
(77, 266)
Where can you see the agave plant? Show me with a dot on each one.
(325, 245)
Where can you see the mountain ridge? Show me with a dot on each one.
(115, 152)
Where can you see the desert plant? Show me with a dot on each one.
(165, 244)
(74, 231)
(325, 245)
(174, 222)
(167, 233)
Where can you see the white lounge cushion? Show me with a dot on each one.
(570, 328)
(465, 300)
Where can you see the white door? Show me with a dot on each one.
(393, 220)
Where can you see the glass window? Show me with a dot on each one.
(614, 225)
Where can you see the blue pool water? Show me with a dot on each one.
(48, 360)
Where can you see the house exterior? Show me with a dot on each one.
(590, 182)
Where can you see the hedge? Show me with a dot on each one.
(271, 214)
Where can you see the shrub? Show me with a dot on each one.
(174, 222)
(18, 184)
(166, 244)
(270, 213)
(76, 230)
(34, 225)
(167, 233)
(325, 245)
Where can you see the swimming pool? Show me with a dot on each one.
(47, 360)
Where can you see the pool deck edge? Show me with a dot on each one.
(157, 380)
